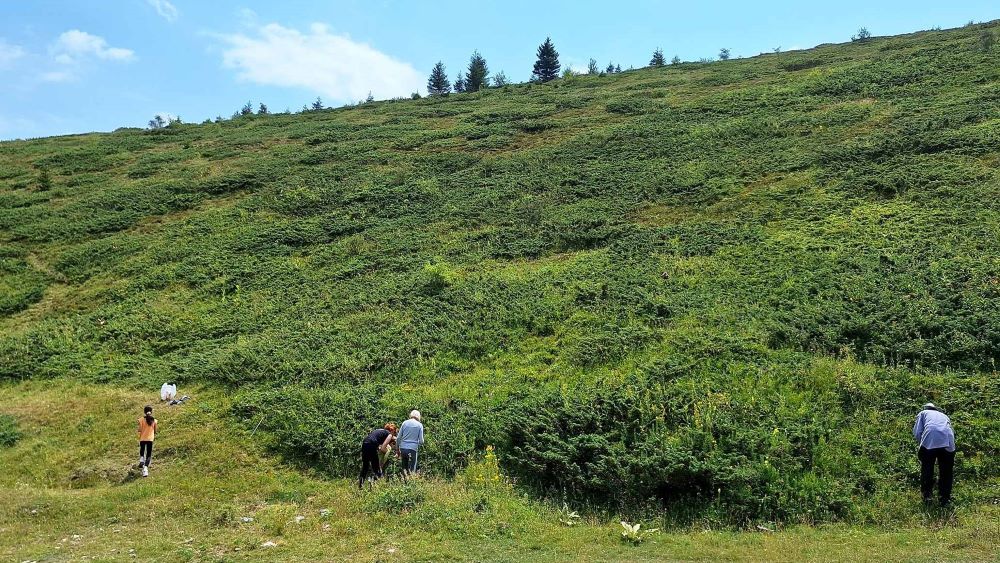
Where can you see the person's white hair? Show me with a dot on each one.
(415, 414)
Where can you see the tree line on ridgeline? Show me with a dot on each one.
(476, 76)
(547, 67)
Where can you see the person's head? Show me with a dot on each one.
(391, 428)
(415, 415)
(148, 412)
(930, 407)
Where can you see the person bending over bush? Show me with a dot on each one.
(378, 441)
(933, 432)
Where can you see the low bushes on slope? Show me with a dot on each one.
(734, 441)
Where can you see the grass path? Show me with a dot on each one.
(68, 491)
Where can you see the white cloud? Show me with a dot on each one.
(9, 53)
(329, 64)
(74, 45)
(247, 17)
(57, 76)
(166, 10)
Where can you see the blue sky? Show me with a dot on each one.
(69, 66)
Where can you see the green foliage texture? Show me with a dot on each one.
(721, 290)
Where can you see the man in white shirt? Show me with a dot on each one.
(933, 432)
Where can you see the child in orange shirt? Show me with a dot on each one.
(147, 433)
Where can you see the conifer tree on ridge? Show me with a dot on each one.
(438, 83)
(477, 75)
(547, 66)
(658, 59)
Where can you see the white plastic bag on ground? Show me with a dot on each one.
(168, 391)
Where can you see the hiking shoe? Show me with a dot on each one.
(142, 460)
(145, 472)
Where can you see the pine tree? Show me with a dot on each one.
(547, 66)
(676, 60)
(862, 35)
(724, 54)
(438, 83)
(610, 69)
(459, 86)
(477, 75)
(247, 109)
(262, 110)
(318, 104)
(618, 68)
(500, 80)
(657, 59)
(592, 67)
(370, 98)
(157, 122)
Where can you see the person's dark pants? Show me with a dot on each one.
(408, 458)
(369, 463)
(146, 452)
(946, 465)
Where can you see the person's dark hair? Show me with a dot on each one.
(148, 411)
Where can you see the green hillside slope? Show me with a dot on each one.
(723, 289)
(71, 492)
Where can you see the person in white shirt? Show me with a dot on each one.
(933, 432)
(168, 391)
(411, 436)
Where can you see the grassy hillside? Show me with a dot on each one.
(69, 491)
(715, 291)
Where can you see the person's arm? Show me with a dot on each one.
(918, 427)
(421, 434)
(138, 428)
(388, 440)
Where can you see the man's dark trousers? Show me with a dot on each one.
(946, 464)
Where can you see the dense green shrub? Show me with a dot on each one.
(781, 439)
(394, 497)
(9, 433)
